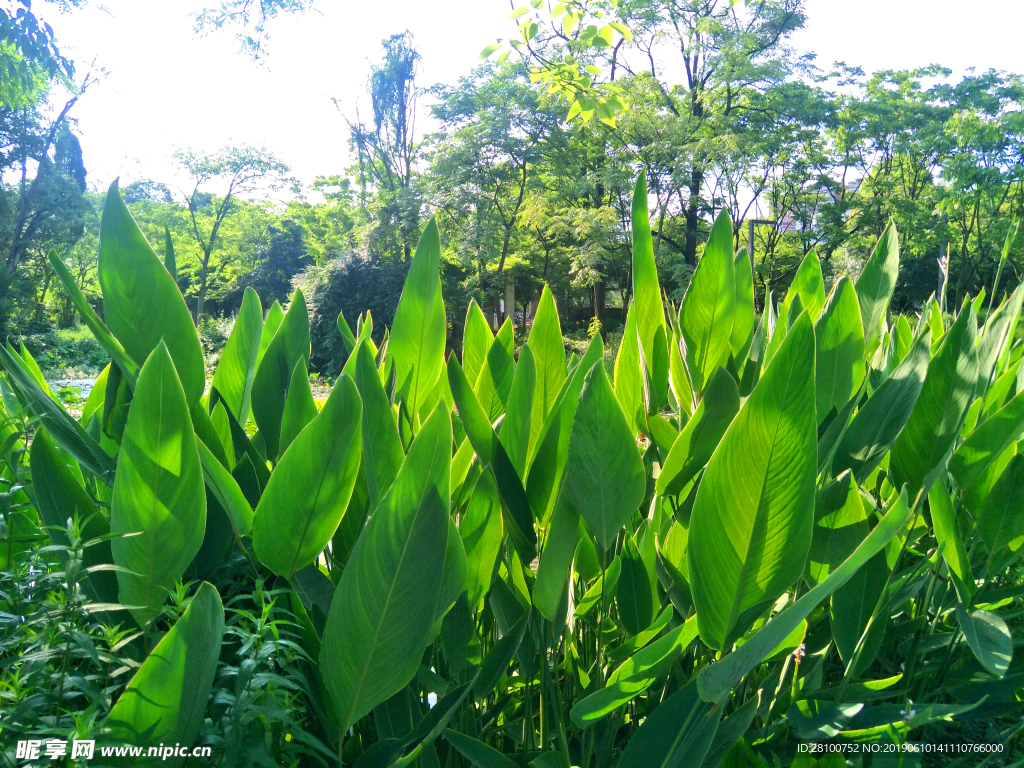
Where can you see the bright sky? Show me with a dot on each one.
(165, 88)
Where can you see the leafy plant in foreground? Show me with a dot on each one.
(759, 532)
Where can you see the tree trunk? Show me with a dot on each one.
(510, 297)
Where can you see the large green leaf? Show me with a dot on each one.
(840, 525)
(988, 442)
(717, 680)
(307, 495)
(1001, 517)
(289, 346)
(604, 474)
(516, 509)
(988, 637)
(383, 611)
(91, 319)
(851, 610)
(629, 380)
(141, 301)
(878, 280)
(650, 312)
(59, 497)
(744, 315)
(481, 532)
(879, 421)
(677, 734)
(633, 595)
(236, 368)
(66, 432)
(476, 341)
(839, 350)
(226, 491)
(635, 675)
(700, 437)
(478, 753)
(751, 525)
(275, 316)
(997, 336)
(951, 544)
(158, 490)
(706, 316)
(299, 406)
(165, 702)
(548, 467)
(809, 285)
(549, 354)
(556, 558)
(922, 448)
(514, 432)
(495, 381)
(382, 446)
(416, 344)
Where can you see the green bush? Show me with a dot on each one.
(755, 534)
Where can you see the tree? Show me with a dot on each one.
(242, 170)
(249, 19)
(387, 150)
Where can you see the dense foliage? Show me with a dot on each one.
(759, 532)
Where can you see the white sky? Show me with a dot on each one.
(165, 88)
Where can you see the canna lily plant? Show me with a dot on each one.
(758, 532)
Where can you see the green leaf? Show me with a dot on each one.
(706, 316)
(677, 734)
(633, 594)
(997, 336)
(603, 588)
(650, 312)
(495, 381)
(878, 280)
(809, 285)
(516, 510)
(476, 341)
(383, 611)
(59, 497)
(158, 490)
(416, 344)
(226, 491)
(454, 572)
(307, 495)
(717, 680)
(840, 525)
(64, 430)
(141, 301)
(922, 448)
(549, 354)
(1001, 517)
(99, 330)
(700, 437)
(299, 406)
(947, 536)
(744, 315)
(879, 421)
(347, 337)
(478, 753)
(236, 368)
(169, 261)
(514, 432)
(487, 51)
(635, 675)
(988, 637)
(988, 442)
(852, 607)
(751, 525)
(165, 702)
(289, 347)
(481, 532)
(275, 316)
(839, 351)
(629, 381)
(556, 558)
(548, 467)
(604, 474)
(382, 446)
